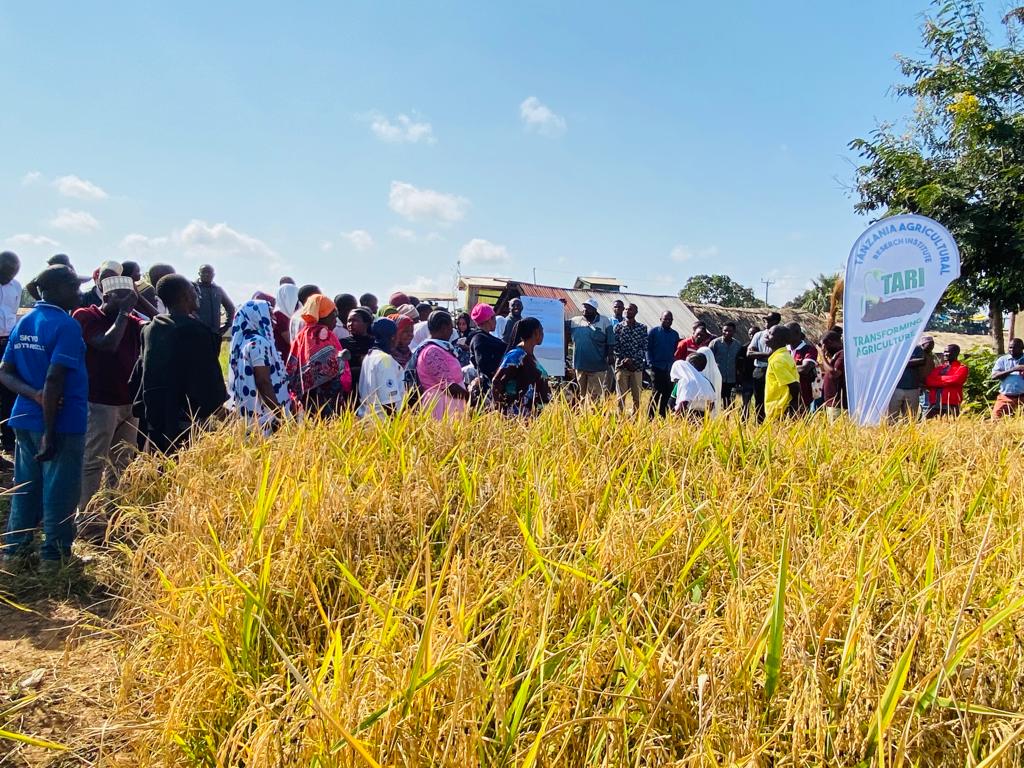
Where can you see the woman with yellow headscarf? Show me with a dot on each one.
(318, 375)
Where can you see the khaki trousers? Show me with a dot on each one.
(111, 441)
(591, 384)
(628, 383)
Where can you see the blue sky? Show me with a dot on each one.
(369, 146)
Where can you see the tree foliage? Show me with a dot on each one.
(961, 159)
(818, 297)
(718, 289)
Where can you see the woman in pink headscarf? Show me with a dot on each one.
(438, 369)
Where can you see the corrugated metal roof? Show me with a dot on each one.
(650, 307)
(551, 292)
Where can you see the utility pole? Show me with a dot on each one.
(767, 284)
(534, 275)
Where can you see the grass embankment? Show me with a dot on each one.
(583, 590)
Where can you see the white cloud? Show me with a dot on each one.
(141, 245)
(74, 221)
(427, 285)
(540, 118)
(244, 263)
(415, 204)
(30, 178)
(479, 251)
(404, 129)
(326, 245)
(27, 240)
(200, 238)
(359, 239)
(72, 186)
(684, 253)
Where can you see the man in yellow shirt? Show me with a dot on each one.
(782, 380)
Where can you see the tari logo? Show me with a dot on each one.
(903, 281)
(884, 294)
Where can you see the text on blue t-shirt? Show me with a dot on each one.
(48, 335)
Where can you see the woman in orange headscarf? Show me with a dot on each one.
(318, 376)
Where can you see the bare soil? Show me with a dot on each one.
(61, 644)
(58, 673)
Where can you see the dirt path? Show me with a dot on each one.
(57, 671)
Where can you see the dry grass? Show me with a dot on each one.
(583, 590)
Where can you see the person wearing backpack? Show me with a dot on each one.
(438, 374)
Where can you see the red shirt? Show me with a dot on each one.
(109, 371)
(833, 387)
(806, 351)
(281, 324)
(946, 383)
(686, 347)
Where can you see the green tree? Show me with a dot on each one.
(718, 289)
(961, 158)
(817, 298)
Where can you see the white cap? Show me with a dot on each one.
(592, 303)
(109, 284)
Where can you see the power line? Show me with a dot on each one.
(767, 284)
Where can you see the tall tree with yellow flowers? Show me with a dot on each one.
(960, 158)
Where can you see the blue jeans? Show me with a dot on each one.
(45, 493)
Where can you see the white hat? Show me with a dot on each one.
(111, 266)
(109, 284)
(592, 303)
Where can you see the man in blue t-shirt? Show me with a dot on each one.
(1009, 372)
(44, 364)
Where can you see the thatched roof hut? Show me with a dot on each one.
(715, 317)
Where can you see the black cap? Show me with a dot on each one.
(55, 275)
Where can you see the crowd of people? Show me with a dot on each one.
(133, 363)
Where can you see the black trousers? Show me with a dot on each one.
(759, 398)
(662, 391)
(728, 393)
(6, 406)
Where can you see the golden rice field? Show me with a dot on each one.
(584, 590)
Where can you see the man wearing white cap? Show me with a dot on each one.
(113, 342)
(94, 296)
(593, 341)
